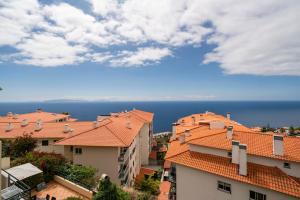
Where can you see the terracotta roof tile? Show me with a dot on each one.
(34, 116)
(164, 189)
(267, 177)
(260, 144)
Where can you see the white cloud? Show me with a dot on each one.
(48, 50)
(251, 37)
(143, 56)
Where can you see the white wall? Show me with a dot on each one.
(207, 150)
(192, 184)
(50, 148)
(104, 159)
(145, 144)
(293, 171)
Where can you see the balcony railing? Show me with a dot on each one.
(123, 171)
(123, 156)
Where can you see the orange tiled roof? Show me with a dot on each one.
(164, 189)
(49, 130)
(263, 176)
(117, 130)
(259, 144)
(34, 116)
(204, 119)
(147, 116)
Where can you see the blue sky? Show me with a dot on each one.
(155, 50)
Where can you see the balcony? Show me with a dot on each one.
(123, 171)
(124, 154)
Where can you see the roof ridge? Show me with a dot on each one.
(214, 134)
(115, 135)
(176, 154)
(289, 177)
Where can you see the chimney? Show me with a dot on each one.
(67, 128)
(182, 138)
(187, 132)
(95, 124)
(194, 120)
(38, 125)
(278, 145)
(228, 115)
(229, 132)
(9, 127)
(24, 122)
(235, 155)
(243, 160)
(174, 128)
(9, 114)
(128, 125)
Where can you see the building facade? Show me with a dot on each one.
(116, 145)
(216, 158)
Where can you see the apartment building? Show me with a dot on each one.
(35, 116)
(218, 159)
(117, 144)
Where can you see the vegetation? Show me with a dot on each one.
(49, 163)
(267, 129)
(73, 198)
(6, 148)
(22, 145)
(83, 174)
(150, 185)
(108, 190)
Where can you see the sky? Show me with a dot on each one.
(150, 50)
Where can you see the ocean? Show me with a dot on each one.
(254, 113)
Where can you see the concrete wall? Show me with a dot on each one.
(207, 150)
(5, 163)
(104, 159)
(82, 191)
(50, 148)
(145, 144)
(293, 171)
(193, 184)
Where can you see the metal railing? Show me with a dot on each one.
(25, 190)
(123, 156)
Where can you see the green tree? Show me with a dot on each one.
(22, 145)
(109, 191)
(150, 185)
(73, 198)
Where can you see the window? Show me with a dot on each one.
(78, 151)
(55, 141)
(225, 187)
(257, 196)
(229, 154)
(45, 143)
(71, 148)
(287, 165)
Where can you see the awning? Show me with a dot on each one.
(24, 171)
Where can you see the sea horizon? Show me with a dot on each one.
(250, 113)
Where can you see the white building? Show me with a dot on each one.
(117, 145)
(228, 162)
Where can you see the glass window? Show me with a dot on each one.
(45, 143)
(78, 151)
(257, 196)
(225, 187)
(287, 165)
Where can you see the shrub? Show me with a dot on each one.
(150, 185)
(76, 173)
(49, 163)
(108, 190)
(22, 145)
(73, 198)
